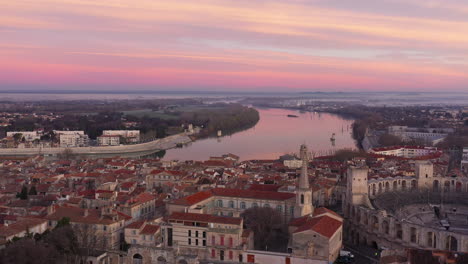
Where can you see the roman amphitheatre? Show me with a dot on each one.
(421, 211)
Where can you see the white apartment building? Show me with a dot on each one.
(131, 136)
(108, 140)
(27, 135)
(405, 151)
(72, 138)
(429, 135)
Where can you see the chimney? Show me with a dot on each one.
(86, 212)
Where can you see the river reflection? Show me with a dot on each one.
(274, 135)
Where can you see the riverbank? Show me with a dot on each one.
(135, 149)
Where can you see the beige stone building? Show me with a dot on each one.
(99, 229)
(207, 236)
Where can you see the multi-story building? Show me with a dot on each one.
(232, 202)
(428, 135)
(140, 207)
(207, 236)
(143, 233)
(406, 151)
(157, 178)
(72, 139)
(108, 140)
(99, 229)
(130, 136)
(27, 135)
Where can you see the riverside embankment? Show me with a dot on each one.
(122, 150)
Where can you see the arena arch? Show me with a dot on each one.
(447, 186)
(374, 223)
(137, 259)
(385, 227)
(435, 185)
(451, 243)
(161, 260)
(413, 235)
(431, 240)
(398, 231)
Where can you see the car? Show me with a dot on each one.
(345, 253)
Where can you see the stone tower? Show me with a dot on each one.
(424, 174)
(357, 190)
(304, 193)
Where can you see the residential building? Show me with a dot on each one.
(108, 140)
(26, 135)
(207, 236)
(69, 139)
(143, 233)
(100, 229)
(129, 136)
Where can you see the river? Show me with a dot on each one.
(274, 135)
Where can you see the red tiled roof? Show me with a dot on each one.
(322, 210)
(324, 225)
(194, 198)
(205, 218)
(135, 225)
(264, 195)
(264, 187)
(149, 229)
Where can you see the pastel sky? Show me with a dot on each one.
(235, 45)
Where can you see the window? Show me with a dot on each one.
(213, 253)
(133, 232)
(302, 199)
(242, 205)
(279, 208)
(104, 227)
(220, 203)
(190, 241)
(230, 255)
(254, 205)
(213, 240)
(231, 204)
(204, 234)
(230, 242)
(190, 233)
(266, 205)
(222, 241)
(204, 243)
(196, 233)
(196, 242)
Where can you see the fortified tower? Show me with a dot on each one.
(304, 193)
(424, 174)
(357, 190)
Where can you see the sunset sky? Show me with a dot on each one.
(235, 45)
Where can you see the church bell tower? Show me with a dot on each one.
(303, 193)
